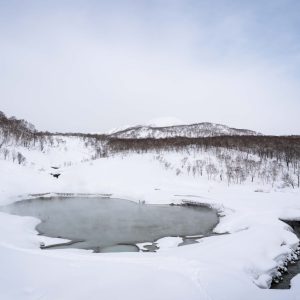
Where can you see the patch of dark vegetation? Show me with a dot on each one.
(285, 148)
(55, 175)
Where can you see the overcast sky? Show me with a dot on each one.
(91, 66)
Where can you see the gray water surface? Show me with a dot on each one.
(113, 225)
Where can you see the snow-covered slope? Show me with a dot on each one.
(193, 130)
(229, 266)
(159, 122)
(234, 162)
(246, 188)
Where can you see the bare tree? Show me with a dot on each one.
(5, 153)
(274, 171)
(178, 171)
(288, 180)
(229, 173)
(297, 172)
(252, 167)
(188, 169)
(199, 165)
(211, 170)
(21, 159)
(184, 161)
(239, 174)
(14, 155)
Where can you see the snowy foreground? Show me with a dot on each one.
(232, 266)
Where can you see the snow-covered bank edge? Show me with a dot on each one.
(263, 281)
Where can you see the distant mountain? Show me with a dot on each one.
(159, 122)
(23, 132)
(193, 130)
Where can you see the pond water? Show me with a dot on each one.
(113, 225)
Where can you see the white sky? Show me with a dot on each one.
(90, 66)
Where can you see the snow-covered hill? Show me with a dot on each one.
(205, 129)
(235, 160)
(252, 185)
(159, 122)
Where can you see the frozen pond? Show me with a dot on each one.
(113, 225)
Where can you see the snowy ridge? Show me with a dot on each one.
(204, 129)
(159, 122)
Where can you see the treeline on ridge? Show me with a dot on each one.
(281, 148)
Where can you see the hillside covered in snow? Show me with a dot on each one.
(192, 130)
(234, 159)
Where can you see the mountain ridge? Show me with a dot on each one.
(202, 129)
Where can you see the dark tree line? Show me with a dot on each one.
(281, 148)
(266, 158)
(12, 129)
